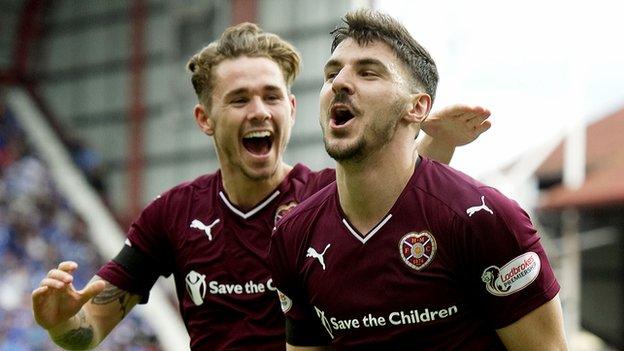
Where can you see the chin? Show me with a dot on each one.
(346, 154)
(259, 173)
(342, 152)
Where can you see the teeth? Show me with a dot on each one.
(259, 134)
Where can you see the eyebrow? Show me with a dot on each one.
(332, 63)
(367, 61)
(239, 91)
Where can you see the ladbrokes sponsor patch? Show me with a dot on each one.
(512, 277)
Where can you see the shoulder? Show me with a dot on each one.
(309, 180)
(301, 217)
(459, 192)
(185, 191)
(485, 216)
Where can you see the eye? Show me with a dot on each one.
(239, 101)
(272, 97)
(368, 73)
(330, 75)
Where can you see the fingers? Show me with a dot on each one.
(477, 114)
(480, 110)
(39, 291)
(476, 121)
(53, 283)
(58, 278)
(68, 266)
(478, 117)
(461, 112)
(92, 289)
(480, 129)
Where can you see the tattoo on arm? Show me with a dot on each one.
(111, 294)
(79, 338)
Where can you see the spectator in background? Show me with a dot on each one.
(38, 229)
(90, 163)
(11, 135)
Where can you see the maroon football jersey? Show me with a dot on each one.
(217, 254)
(452, 261)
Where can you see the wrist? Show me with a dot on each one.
(436, 149)
(74, 333)
(63, 327)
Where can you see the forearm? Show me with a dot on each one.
(432, 148)
(90, 326)
(77, 333)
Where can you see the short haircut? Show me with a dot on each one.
(366, 26)
(245, 39)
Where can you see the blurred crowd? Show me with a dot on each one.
(38, 230)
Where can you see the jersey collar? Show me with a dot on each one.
(364, 238)
(251, 212)
(297, 170)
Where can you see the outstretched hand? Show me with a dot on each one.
(457, 124)
(56, 300)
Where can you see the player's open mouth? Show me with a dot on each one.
(258, 142)
(341, 114)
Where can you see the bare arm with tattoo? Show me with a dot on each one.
(79, 320)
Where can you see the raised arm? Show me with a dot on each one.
(541, 329)
(79, 320)
(450, 127)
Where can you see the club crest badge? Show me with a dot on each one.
(283, 210)
(418, 249)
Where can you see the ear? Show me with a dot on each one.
(205, 123)
(293, 108)
(420, 105)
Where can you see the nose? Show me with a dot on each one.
(342, 82)
(258, 110)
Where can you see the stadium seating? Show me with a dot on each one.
(38, 229)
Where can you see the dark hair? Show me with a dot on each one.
(245, 39)
(366, 26)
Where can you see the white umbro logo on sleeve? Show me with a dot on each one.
(197, 224)
(474, 209)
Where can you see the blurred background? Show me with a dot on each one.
(96, 120)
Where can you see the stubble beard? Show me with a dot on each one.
(375, 137)
(351, 152)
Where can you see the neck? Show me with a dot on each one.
(246, 192)
(368, 188)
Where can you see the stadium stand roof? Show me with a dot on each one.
(604, 183)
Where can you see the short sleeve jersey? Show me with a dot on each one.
(217, 254)
(452, 261)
